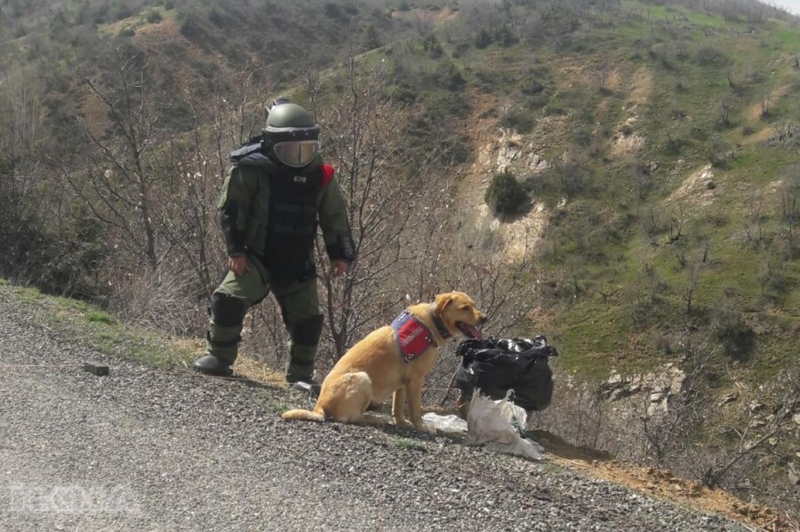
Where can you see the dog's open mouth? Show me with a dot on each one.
(469, 331)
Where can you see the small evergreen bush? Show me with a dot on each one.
(505, 194)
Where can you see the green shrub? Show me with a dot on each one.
(698, 133)
(432, 46)
(710, 55)
(731, 329)
(402, 93)
(505, 37)
(216, 18)
(332, 10)
(460, 151)
(449, 76)
(554, 109)
(461, 49)
(371, 38)
(505, 194)
(518, 120)
(153, 16)
(127, 31)
(189, 26)
(581, 135)
(720, 151)
(534, 80)
(483, 39)
(98, 316)
(120, 11)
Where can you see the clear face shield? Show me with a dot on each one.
(296, 154)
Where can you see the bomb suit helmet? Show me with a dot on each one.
(291, 135)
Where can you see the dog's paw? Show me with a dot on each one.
(422, 427)
(402, 423)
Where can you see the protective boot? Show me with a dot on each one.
(223, 337)
(211, 365)
(300, 369)
(301, 364)
(303, 349)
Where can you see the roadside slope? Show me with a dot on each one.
(196, 453)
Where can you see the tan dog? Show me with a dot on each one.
(374, 368)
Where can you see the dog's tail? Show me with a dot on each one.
(305, 415)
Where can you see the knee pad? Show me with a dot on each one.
(307, 332)
(227, 311)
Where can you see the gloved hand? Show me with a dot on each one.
(338, 267)
(237, 264)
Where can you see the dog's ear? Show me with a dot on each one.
(442, 300)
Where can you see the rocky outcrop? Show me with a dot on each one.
(659, 387)
(788, 135)
(511, 151)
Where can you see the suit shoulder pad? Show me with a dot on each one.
(248, 149)
(327, 174)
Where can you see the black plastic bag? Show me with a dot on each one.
(495, 366)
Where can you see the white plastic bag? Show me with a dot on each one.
(492, 423)
(452, 423)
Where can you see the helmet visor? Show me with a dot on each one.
(296, 153)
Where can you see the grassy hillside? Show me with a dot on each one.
(664, 156)
(666, 231)
(656, 145)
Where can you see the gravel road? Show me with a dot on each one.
(148, 450)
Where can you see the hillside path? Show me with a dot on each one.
(148, 450)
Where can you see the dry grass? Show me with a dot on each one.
(663, 485)
(256, 371)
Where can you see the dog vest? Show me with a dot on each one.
(413, 337)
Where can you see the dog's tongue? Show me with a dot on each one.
(470, 331)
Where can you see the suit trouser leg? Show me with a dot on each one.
(229, 304)
(299, 304)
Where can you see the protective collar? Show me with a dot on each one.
(437, 321)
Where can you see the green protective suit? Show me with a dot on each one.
(269, 214)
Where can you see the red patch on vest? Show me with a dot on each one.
(327, 174)
(413, 337)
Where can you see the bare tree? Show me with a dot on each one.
(765, 101)
(754, 226)
(729, 76)
(666, 431)
(20, 171)
(184, 205)
(692, 280)
(117, 187)
(383, 189)
(399, 206)
(724, 112)
(507, 284)
(191, 168)
(785, 388)
(601, 74)
(676, 223)
(789, 196)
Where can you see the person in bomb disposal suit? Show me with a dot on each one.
(276, 194)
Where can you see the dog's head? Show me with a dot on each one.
(459, 314)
